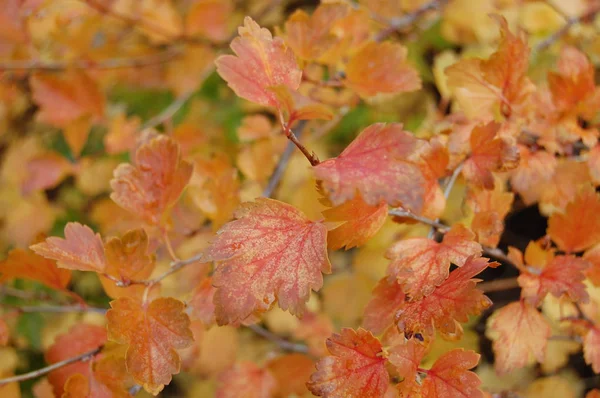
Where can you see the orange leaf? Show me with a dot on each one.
(291, 371)
(482, 85)
(449, 304)
(78, 340)
(381, 68)
(421, 264)
(388, 298)
(246, 379)
(521, 332)
(274, 243)
(46, 171)
(209, 18)
(355, 368)
(489, 153)
(406, 358)
(574, 230)
(535, 169)
(593, 256)
(557, 275)
(261, 62)
(28, 265)
(490, 207)
(591, 348)
(4, 333)
(152, 333)
(450, 376)
(77, 386)
(154, 183)
(201, 302)
(377, 164)
(360, 222)
(80, 250)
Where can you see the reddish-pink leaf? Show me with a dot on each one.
(421, 264)
(261, 62)
(246, 379)
(81, 249)
(155, 182)
(271, 252)
(355, 368)
(449, 304)
(406, 358)
(202, 304)
(381, 164)
(591, 348)
(521, 332)
(387, 299)
(450, 376)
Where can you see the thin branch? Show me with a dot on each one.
(168, 112)
(498, 285)
(86, 356)
(548, 41)
(58, 309)
(281, 342)
(283, 162)
(408, 19)
(312, 157)
(111, 63)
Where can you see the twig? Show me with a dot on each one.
(111, 63)
(498, 285)
(282, 343)
(408, 19)
(58, 308)
(312, 157)
(548, 41)
(86, 356)
(175, 266)
(168, 112)
(283, 162)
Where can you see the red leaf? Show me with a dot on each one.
(489, 153)
(378, 164)
(387, 299)
(450, 376)
(271, 252)
(574, 230)
(355, 368)
(202, 304)
(360, 222)
(421, 264)
(261, 62)
(449, 304)
(155, 182)
(521, 332)
(81, 249)
(78, 340)
(246, 379)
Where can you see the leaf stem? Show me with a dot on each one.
(498, 285)
(282, 163)
(311, 156)
(86, 356)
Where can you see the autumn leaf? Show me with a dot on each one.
(421, 264)
(380, 164)
(46, 171)
(519, 332)
(500, 83)
(591, 348)
(77, 386)
(26, 264)
(489, 153)
(557, 275)
(490, 207)
(201, 303)
(246, 379)
(355, 368)
(71, 101)
(359, 222)
(448, 305)
(154, 183)
(152, 332)
(261, 62)
(381, 68)
(574, 230)
(535, 169)
(209, 18)
(388, 297)
(291, 371)
(406, 358)
(81, 249)
(80, 339)
(450, 376)
(274, 243)
(314, 329)
(4, 333)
